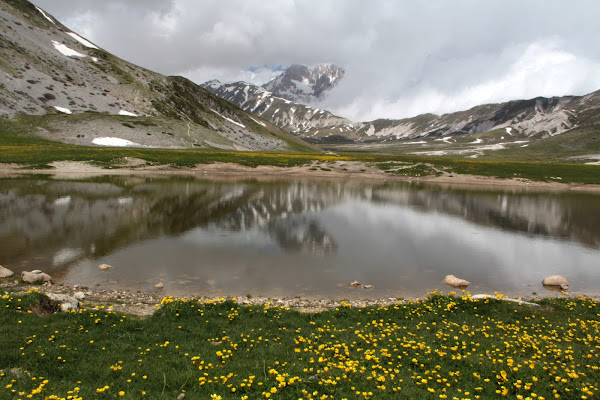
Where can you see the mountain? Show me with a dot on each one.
(535, 118)
(82, 94)
(309, 123)
(538, 117)
(301, 84)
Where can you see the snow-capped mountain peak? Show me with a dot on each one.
(300, 83)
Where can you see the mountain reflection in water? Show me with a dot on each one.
(295, 237)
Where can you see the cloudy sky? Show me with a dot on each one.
(402, 57)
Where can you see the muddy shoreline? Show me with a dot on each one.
(144, 304)
(230, 171)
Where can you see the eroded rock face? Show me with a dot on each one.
(556, 281)
(35, 276)
(455, 282)
(5, 272)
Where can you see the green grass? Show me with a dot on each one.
(444, 347)
(19, 144)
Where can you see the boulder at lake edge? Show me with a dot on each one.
(5, 272)
(556, 280)
(455, 282)
(104, 267)
(35, 276)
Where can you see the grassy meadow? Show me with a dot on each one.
(19, 144)
(443, 347)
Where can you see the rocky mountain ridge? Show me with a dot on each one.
(302, 120)
(538, 118)
(84, 94)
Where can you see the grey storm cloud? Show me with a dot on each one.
(401, 57)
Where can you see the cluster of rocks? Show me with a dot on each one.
(357, 284)
(35, 276)
(551, 282)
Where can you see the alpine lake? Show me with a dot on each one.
(287, 238)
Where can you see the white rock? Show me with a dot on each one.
(159, 285)
(181, 396)
(455, 282)
(368, 286)
(354, 284)
(79, 295)
(5, 272)
(35, 276)
(66, 302)
(104, 267)
(556, 280)
(487, 296)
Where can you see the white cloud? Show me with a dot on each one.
(402, 57)
(541, 69)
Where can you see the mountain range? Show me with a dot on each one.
(538, 118)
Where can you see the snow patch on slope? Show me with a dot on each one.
(115, 142)
(44, 14)
(258, 122)
(66, 51)
(63, 110)
(228, 119)
(82, 40)
(127, 113)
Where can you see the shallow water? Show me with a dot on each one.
(297, 238)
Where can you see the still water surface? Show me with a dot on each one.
(297, 238)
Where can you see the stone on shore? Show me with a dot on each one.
(66, 302)
(79, 295)
(5, 272)
(104, 267)
(159, 285)
(455, 282)
(35, 276)
(368, 287)
(556, 280)
(354, 284)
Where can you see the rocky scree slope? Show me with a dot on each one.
(82, 93)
